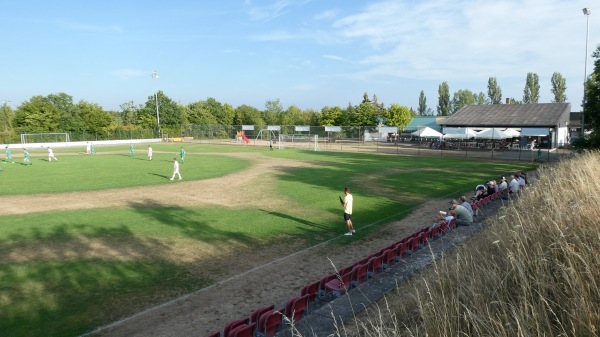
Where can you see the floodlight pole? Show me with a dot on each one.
(155, 76)
(586, 11)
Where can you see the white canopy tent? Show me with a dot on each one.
(512, 132)
(427, 132)
(458, 133)
(492, 133)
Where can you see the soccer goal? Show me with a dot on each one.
(56, 137)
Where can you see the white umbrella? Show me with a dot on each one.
(427, 132)
(492, 134)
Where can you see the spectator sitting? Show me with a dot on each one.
(524, 175)
(491, 187)
(520, 180)
(513, 184)
(443, 217)
(463, 202)
(463, 218)
(503, 185)
(480, 192)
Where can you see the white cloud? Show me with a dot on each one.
(272, 9)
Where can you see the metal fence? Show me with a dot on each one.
(341, 138)
(370, 139)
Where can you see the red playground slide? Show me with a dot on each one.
(245, 138)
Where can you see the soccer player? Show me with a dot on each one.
(131, 151)
(182, 155)
(93, 148)
(175, 169)
(8, 156)
(51, 155)
(348, 211)
(149, 152)
(26, 157)
(88, 148)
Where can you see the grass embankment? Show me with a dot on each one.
(534, 272)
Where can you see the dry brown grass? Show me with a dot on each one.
(534, 272)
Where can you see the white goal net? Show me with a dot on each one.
(32, 138)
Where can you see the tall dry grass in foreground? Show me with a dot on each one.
(535, 271)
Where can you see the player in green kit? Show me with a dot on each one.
(131, 151)
(8, 156)
(26, 160)
(182, 154)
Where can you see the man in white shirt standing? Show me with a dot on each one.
(175, 169)
(348, 210)
(51, 155)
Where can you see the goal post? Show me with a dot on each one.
(51, 137)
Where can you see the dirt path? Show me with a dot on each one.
(223, 191)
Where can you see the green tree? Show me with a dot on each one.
(199, 113)
(559, 87)
(531, 92)
(480, 98)
(398, 115)
(93, 116)
(591, 107)
(69, 119)
(461, 98)
(494, 91)
(292, 116)
(331, 116)
(129, 113)
(6, 117)
(422, 111)
(247, 115)
(273, 111)
(443, 107)
(170, 113)
(38, 115)
(364, 115)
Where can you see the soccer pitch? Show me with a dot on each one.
(90, 239)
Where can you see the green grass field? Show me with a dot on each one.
(63, 273)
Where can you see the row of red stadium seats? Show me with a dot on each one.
(267, 321)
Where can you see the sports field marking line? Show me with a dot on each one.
(234, 277)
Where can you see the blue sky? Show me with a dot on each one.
(306, 53)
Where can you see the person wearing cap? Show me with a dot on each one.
(463, 217)
(503, 184)
(480, 192)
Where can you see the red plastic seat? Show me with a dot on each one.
(296, 307)
(401, 249)
(340, 285)
(359, 274)
(234, 324)
(413, 244)
(269, 323)
(243, 331)
(375, 266)
(311, 290)
(258, 312)
(323, 281)
(389, 257)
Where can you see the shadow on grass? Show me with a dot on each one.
(68, 285)
(295, 219)
(189, 222)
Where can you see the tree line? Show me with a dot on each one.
(59, 113)
(531, 94)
